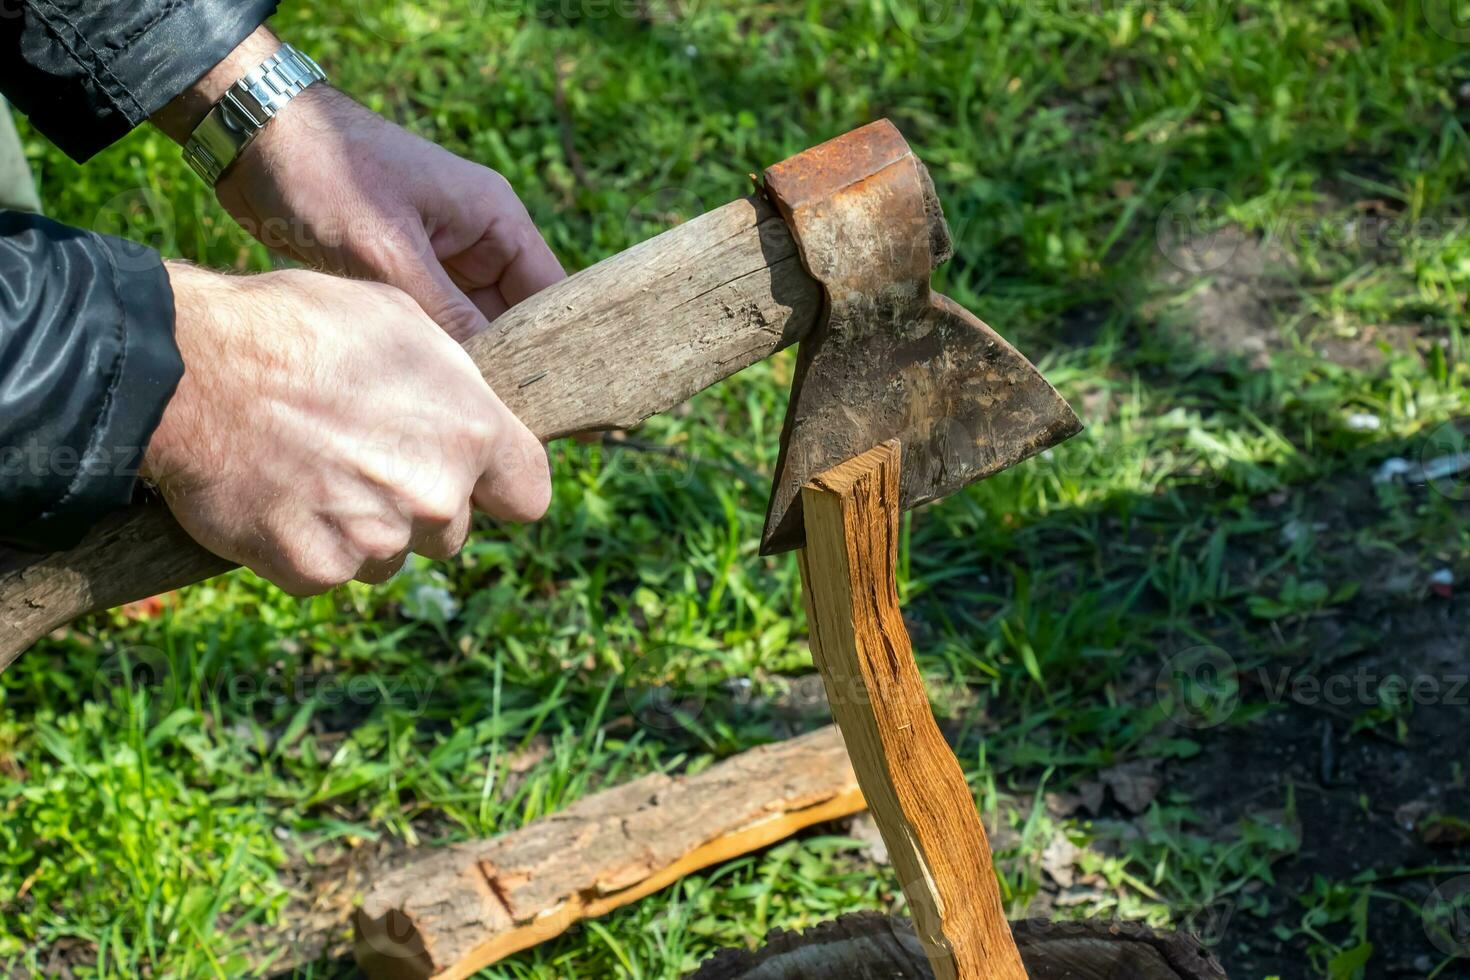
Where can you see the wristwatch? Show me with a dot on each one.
(249, 104)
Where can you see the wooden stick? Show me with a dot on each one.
(463, 907)
(911, 779)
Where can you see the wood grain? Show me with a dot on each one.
(911, 779)
(630, 337)
(468, 905)
(643, 331)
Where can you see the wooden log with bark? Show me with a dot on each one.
(468, 905)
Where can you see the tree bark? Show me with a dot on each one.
(466, 906)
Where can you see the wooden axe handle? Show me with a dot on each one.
(604, 349)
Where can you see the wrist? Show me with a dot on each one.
(315, 110)
(182, 115)
(206, 307)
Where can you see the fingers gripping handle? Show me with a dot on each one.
(630, 337)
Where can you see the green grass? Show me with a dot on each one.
(151, 826)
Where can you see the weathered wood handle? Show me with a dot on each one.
(606, 348)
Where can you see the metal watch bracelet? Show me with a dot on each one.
(245, 109)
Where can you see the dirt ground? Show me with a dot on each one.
(1380, 793)
(1366, 803)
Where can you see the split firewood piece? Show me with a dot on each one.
(912, 782)
(468, 905)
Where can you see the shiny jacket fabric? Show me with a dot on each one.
(87, 362)
(87, 355)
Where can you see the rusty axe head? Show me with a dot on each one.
(891, 358)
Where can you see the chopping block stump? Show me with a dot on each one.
(873, 946)
(912, 782)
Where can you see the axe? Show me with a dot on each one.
(836, 253)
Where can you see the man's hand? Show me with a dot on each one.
(339, 188)
(325, 428)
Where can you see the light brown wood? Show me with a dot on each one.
(630, 337)
(913, 783)
(466, 906)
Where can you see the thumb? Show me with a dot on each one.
(515, 478)
(412, 266)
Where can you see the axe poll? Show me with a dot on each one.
(836, 253)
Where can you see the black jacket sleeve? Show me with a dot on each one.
(87, 363)
(87, 357)
(87, 71)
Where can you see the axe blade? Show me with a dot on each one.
(892, 359)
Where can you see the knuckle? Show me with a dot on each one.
(379, 572)
(535, 503)
(337, 572)
(497, 183)
(315, 567)
(459, 319)
(389, 295)
(483, 431)
(522, 470)
(377, 542)
(399, 248)
(304, 580)
(303, 588)
(301, 278)
(441, 548)
(438, 508)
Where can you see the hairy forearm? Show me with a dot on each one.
(180, 117)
